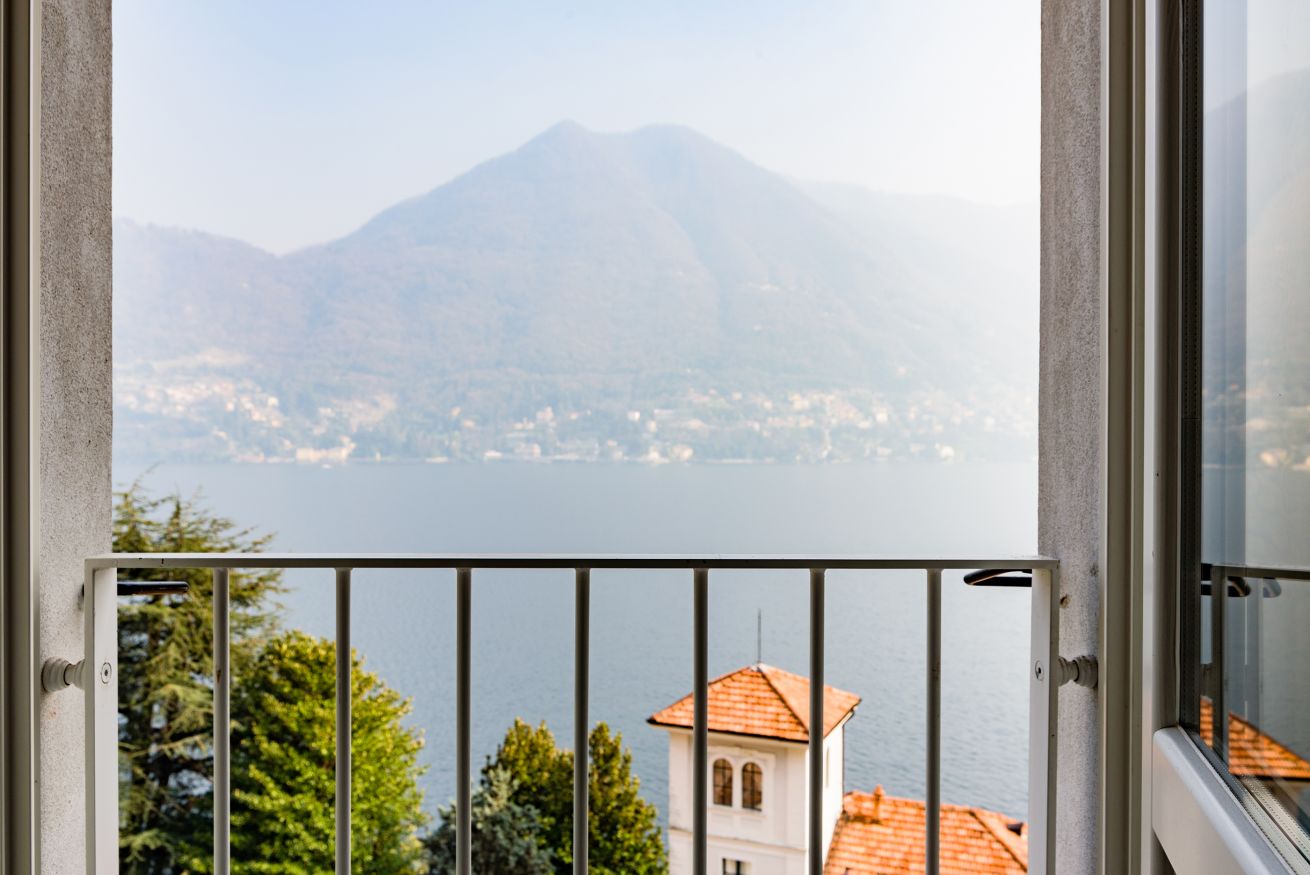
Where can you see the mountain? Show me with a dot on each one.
(651, 294)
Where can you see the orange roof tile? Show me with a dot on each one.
(763, 701)
(884, 835)
(1252, 753)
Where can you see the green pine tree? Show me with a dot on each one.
(165, 688)
(505, 833)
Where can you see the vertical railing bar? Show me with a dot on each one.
(933, 803)
(581, 721)
(100, 699)
(700, 722)
(463, 722)
(344, 689)
(1251, 707)
(814, 784)
(1043, 717)
(222, 725)
(1218, 630)
(1052, 718)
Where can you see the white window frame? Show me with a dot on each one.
(741, 793)
(1187, 818)
(732, 786)
(738, 757)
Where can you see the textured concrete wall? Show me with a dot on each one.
(76, 402)
(1069, 452)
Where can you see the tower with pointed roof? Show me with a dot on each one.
(758, 768)
(758, 737)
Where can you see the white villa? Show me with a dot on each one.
(758, 738)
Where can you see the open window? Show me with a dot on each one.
(1244, 404)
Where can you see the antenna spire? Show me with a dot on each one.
(759, 636)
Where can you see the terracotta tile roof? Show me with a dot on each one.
(763, 701)
(884, 835)
(1252, 753)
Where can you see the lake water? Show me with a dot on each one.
(641, 622)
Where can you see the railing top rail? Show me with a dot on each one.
(1262, 571)
(541, 561)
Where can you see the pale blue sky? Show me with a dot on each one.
(288, 123)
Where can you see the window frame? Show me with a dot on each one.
(759, 786)
(1203, 820)
(20, 473)
(715, 785)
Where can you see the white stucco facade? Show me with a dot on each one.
(771, 841)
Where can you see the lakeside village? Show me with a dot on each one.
(213, 419)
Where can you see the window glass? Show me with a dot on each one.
(722, 782)
(734, 867)
(752, 787)
(1254, 339)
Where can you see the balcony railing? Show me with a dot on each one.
(97, 677)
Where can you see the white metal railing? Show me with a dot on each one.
(97, 678)
(1220, 583)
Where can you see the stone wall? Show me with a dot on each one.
(76, 407)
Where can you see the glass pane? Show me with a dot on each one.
(1255, 427)
(722, 782)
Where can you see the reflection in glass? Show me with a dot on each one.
(1255, 396)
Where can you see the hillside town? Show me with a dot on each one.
(192, 413)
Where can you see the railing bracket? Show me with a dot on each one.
(58, 674)
(1081, 670)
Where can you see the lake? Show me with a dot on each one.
(642, 621)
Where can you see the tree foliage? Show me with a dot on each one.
(624, 834)
(165, 686)
(505, 832)
(623, 828)
(283, 714)
(283, 766)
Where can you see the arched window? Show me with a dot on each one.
(752, 787)
(722, 782)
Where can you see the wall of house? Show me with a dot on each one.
(834, 752)
(1070, 424)
(76, 407)
(772, 840)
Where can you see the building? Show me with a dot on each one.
(758, 742)
(883, 835)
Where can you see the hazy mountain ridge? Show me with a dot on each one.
(641, 295)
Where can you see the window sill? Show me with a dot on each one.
(1201, 827)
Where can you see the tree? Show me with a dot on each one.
(542, 776)
(505, 833)
(622, 827)
(623, 830)
(283, 766)
(283, 714)
(165, 687)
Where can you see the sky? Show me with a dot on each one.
(290, 123)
